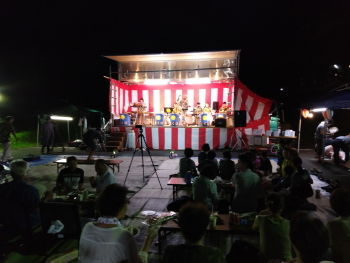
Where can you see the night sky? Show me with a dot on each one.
(51, 51)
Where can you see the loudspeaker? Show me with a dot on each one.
(220, 122)
(240, 118)
(95, 119)
(215, 105)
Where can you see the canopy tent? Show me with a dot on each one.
(330, 100)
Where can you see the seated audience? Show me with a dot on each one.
(287, 160)
(247, 186)
(210, 161)
(287, 181)
(187, 164)
(204, 190)
(203, 154)
(274, 230)
(106, 240)
(282, 144)
(193, 222)
(301, 181)
(289, 144)
(227, 167)
(70, 178)
(104, 176)
(309, 237)
(265, 164)
(339, 229)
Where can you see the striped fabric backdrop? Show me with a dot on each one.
(181, 138)
(159, 96)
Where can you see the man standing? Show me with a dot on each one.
(90, 138)
(47, 135)
(197, 112)
(319, 137)
(184, 106)
(70, 178)
(341, 142)
(104, 176)
(6, 128)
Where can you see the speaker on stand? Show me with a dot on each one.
(215, 105)
(240, 120)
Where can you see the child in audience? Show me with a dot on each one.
(227, 167)
(265, 164)
(301, 181)
(186, 164)
(210, 161)
(339, 229)
(287, 160)
(287, 181)
(274, 230)
(309, 238)
(282, 144)
(204, 154)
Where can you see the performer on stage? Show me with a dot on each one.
(319, 137)
(177, 109)
(224, 108)
(207, 108)
(184, 105)
(141, 107)
(196, 112)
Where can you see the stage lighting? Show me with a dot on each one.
(60, 118)
(318, 109)
(336, 66)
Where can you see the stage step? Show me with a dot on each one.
(110, 148)
(116, 143)
(116, 140)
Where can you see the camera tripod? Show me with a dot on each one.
(142, 140)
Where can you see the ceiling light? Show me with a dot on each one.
(318, 109)
(156, 81)
(61, 118)
(336, 66)
(198, 81)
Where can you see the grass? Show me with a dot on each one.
(25, 139)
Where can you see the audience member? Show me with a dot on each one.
(187, 164)
(289, 144)
(287, 181)
(47, 135)
(274, 230)
(70, 178)
(282, 144)
(287, 160)
(90, 138)
(106, 240)
(301, 181)
(104, 176)
(309, 237)
(203, 154)
(247, 186)
(6, 129)
(227, 167)
(204, 190)
(265, 164)
(339, 229)
(210, 161)
(193, 222)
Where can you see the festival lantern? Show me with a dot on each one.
(327, 114)
(305, 113)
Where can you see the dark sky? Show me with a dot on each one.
(50, 51)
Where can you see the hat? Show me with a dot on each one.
(198, 103)
(224, 102)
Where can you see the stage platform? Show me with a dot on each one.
(179, 137)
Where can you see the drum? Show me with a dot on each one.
(220, 116)
(205, 119)
(174, 119)
(159, 119)
(124, 119)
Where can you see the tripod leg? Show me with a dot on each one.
(132, 158)
(143, 166)
(155, 170)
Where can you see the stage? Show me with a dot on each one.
(179, 138)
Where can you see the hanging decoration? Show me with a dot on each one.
(305, 113)
(327, 114)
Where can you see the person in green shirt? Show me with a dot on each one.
(274, 230)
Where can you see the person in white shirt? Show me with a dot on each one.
(106, 240)
(104, 176)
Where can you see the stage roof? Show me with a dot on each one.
(211, 55)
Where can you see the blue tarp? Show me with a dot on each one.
(331, 100)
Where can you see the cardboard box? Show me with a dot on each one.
(64, 256)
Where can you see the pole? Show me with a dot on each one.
(324, 138)
(299, 132)
(68, 131)
(37, 132)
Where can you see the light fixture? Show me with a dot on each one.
(336, 66)
(61, 118)
(310, 115)
(318, 109)
(114, 153)
(281, 89)
(156, 81)
(190, 74)
(198, 81)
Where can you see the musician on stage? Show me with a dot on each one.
(224, 108)
(177, 109)
(319, 137)
(196, 112)
(141, 107)
(183, 103)
(207, 109)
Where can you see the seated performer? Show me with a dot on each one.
(184, 105)
(141, 107)
(177, 109)
(224, 108)
(196, 112)
(207, 109)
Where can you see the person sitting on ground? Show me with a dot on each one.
(210, 161)
(193, 222)
(301, 181)
(282, 144)
(247, 186)
(187, 164)
(265, 164)
(309, 238)
(204, 190)
(203, 154)
(70, 178)
(287, 160)
(106, 240)
(90, 138)
(289, 144)
(104, 176)
(287, 181)
(227, 167)
(23, 199)
(339, 229)
(273, 227)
